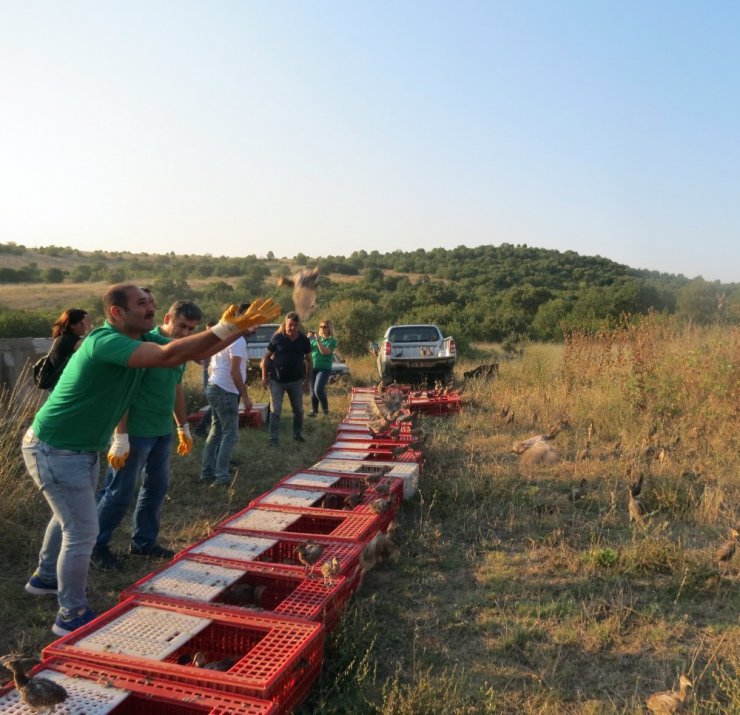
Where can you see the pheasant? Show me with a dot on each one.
(303, 284)
(40, 694)
(308, 554)
(670, 701)
(727, 550)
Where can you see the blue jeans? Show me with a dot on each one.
(152, 456)
(223, 436)
(318, 390)
(67, 479)
(295, 395)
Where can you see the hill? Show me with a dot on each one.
(487, 293)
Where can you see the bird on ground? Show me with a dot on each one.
(303, 284)
(244, 594)
(329, 569)
(504, 411)
(727, 550)
(379, 549)
(201, 661)
(634, 506)
(308, 554)
(537, 450)
(578, 492)
(40, 694)
(670, 701)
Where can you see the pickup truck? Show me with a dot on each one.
(256, 346)
(416, 353)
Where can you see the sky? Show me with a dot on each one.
(605, 127)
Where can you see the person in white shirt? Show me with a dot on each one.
(227, 384)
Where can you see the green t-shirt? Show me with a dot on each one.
(94, 391)
(150, 414)
(321, 361)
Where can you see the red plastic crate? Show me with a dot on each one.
(94, 689)
(283, 589)
(251, 419)
(277, 658)
(341, 485)
(241, 547)
(308, 522)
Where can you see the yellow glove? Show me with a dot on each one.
(185, 440)
(118, 450)
(260, 311)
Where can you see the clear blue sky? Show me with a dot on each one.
(608, 128)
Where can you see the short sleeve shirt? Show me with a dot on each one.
(93, 393)
(219, 369)
(288, 363)
(150, 414)
(321, 361)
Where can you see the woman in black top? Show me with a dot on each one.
(68, 331)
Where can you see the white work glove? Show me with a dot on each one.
(260, 311)
(118, 451)
(185, 440)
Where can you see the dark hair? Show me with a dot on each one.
(117, 295)
(186, 309)
(292, 315)
(66, 320)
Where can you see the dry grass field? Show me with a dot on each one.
(523, 586)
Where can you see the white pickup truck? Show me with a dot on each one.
(412, 353)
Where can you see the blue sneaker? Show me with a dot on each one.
(37, 587)
(63, 626)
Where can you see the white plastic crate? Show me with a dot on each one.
(234, 546)
(192, 579)
(408, 471)
(263, 520)
(306, 479)
(147, 632)
(292, 497)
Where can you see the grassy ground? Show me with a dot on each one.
(508, 596)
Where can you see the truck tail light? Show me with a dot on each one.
(387, 347)
(453, 347)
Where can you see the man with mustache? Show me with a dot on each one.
(142, 444)
(61, 448)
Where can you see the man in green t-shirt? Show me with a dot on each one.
(146, 434)
(61, 448)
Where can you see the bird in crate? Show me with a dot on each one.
(40, 694)
(308, 554)
(244, 594)
(303, 284)
(200, 660)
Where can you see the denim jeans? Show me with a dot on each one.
(67, 479)
(223, 436)
(152, 455)
(318, 390)
(295, 395)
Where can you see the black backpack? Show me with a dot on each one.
(44, 374)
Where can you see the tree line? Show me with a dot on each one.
(487, 293)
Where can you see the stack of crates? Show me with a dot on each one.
(237, 622)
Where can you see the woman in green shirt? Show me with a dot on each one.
(322, 355)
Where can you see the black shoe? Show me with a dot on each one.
(298, 438)
(313, 414)
(273, 443)
(104, 560)
(220, 484)
(155, 552)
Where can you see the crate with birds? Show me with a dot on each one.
(401, 453)
(306, 521)
(254, 418)
(252, 586)
(95, 689)
(407, 471)
(201, 646)
(352, 489)
(240, 548)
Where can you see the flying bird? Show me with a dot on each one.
(303, 284)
